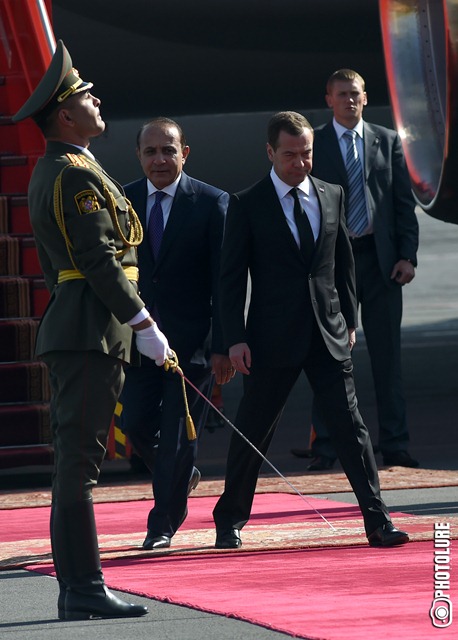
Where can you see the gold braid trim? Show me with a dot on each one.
(59, 213)
(73, 274)
(135, 226)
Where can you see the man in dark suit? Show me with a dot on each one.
(86, 233)
(288, 233)
(179, 282)
(385, 251)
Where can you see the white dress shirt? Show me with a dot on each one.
(166, 202)
(308, 200)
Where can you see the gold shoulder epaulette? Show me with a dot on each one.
(78, 160)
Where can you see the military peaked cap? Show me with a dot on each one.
(61, 81)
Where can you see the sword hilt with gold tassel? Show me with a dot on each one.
(171, 364)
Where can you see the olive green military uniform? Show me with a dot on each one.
(90, 313)
(86, 234)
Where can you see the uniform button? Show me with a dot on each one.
(155, 280)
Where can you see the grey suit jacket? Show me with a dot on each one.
(286, 295)
(390, 199)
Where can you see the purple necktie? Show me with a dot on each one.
(156, 224)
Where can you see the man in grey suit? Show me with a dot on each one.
(385, 250)
(288, 232)
(179, 283)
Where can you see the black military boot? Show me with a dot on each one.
(76, 555)
(97, 601)
(62, 586)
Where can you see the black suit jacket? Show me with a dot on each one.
(389, 191)
(285, 295)
(183, 283)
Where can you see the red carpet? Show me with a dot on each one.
(328, 592)
(336, 594)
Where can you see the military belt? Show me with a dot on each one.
(74, 274)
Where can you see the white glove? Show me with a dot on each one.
(151, 342)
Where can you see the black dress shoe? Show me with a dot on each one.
(387, 536)
(302, 453)
(100, 604)
(400, 459)
(195, 479)
(156, 542)
(228, 539)
(321, 463)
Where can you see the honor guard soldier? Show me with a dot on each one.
(86, 235)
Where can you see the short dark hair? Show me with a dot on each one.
(161, 121)
(289, 121)
(46, 121)
(344, 75)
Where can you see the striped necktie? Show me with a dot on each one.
(156, 224)
(356, 205)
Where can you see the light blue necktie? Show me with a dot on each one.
(156, 224)
(356, 205)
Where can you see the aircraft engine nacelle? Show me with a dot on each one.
(420, 41)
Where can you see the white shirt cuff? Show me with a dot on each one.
(141, 315)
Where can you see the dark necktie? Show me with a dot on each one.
(156, 224)
(356, 206)
(304, 229)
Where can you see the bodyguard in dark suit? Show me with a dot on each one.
(288, 233)
(86, 233)
(179, 281)
(385, 251)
